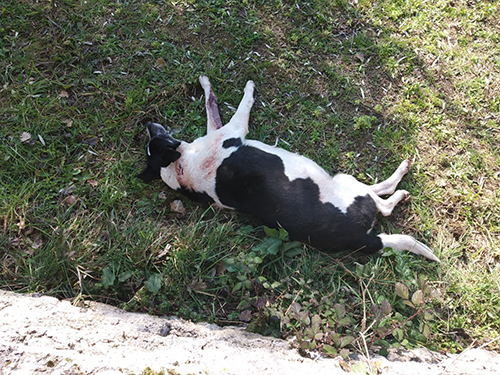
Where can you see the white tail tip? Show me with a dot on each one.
(403, 242)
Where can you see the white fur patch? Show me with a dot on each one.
(196, 168)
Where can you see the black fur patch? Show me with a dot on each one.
(254, 181)
(232, 142)
(160, 151)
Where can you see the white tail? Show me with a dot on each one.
(403, 242)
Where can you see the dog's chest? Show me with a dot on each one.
(197, 167)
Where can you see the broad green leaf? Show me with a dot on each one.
(346, 340)
(344, 322)
(271, 232)
(293, 252)
(417, 298)
(261, 279)
(108, 277)
(335, 338)
(383, 352)
(269, 245)
(124, 276)
(409, 303)
(283, 234)
(231, 265)
(398, 334)
(359, 367)
(428, 315)
(402, 291)
(247, 229)
(344, 353)
(386, 307)
(275, 284)
(274, 247)
(291, 245)
(154, 283)
(237, 286)
(383, 343)
(339, 310)
(330, 350)
(426, 330)
(315, 322)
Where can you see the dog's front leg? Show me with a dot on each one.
(239, 121)
(213, 118)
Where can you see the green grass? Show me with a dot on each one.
(356, 88)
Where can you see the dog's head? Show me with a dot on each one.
(160, 151)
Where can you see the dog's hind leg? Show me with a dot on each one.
(239, 121)
(389, 186)
(213, 118)
(385, 206)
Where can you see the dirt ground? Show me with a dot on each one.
(40, 334)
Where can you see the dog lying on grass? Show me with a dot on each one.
(277, 187)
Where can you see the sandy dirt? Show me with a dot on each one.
(44, 335)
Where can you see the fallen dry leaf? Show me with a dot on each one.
(220, 268)
(165, 251)
(245, 316)
(70, 200)
(197, 286)
(261, 302)
(67, 190)
(25, 137)
(36, 243)
(15, 241)
(178, 207)
(160, 63)
(21, 224)
(345, 365)
(68, 122)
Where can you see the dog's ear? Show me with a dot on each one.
(155, 129)
(160, 151)
(148, 175)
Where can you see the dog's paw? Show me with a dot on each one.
(249, 86)
(405, 166)
(205, 83)
(406, 196)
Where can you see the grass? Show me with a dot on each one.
(355, 87)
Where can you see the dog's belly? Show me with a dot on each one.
(254, 181)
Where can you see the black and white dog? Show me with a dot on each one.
(277, 187)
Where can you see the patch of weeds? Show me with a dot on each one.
(320, 325)
(364, 312)
(364, 123)
(245, 267)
